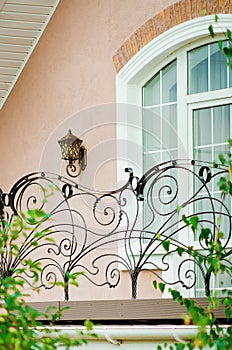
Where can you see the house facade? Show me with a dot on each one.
(142, 83)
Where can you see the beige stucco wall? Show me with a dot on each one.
(71, 69)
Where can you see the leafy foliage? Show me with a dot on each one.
(19, 322)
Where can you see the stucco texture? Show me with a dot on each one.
(71, 69)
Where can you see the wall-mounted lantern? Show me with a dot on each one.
(73, 153)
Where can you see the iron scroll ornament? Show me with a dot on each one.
(102, 234)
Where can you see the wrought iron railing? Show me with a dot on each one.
(102, 234)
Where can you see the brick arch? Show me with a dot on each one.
(179, 12)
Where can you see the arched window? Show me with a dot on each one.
(203, 90)
(183, 86)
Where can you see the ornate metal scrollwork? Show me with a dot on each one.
(103, 233)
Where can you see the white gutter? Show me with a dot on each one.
(116, 334)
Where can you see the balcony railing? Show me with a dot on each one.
(134, 228)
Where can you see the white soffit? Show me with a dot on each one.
(22, 23)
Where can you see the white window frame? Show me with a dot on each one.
(143, 66)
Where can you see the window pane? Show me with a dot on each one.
(169, 155)
(230, 77)
(220, 150)
(151, 92)
(202, 127)
(210, 129)
(204, 154)
(223, 206)
(198, 70)
(223, 280)
(218, 68)
(200, 284)
(150, 160)
(221, 117)
(151, 129)
(169, 83)
(169, 126)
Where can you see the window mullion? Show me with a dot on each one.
(228, 71)
(161, 115)
(182, 111)
(231, 121)
(209, 83)
(212, 140)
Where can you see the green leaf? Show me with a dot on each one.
(228, 52)
(190, 250)
(178, 209)
(219, 220)
(89, 325)
(166, 245)
(201, 259)
(211, 31)
(161, 287)
(222, 159)
(185, 220)
(180, 250)
(222, 184)
(51, 240)
(215, 264)
(38, 235)
(214, 165)
(40, 213)
(155, 284)
(180, 346)
(203, 12)
(158, 236)
(205, 234)
(175, 295)
(73, 276)
(50, 308)
(220, 45)
(229, 183)
(229, 34)
(194, 222)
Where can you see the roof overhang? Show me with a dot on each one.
(22, 22)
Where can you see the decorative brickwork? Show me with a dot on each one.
(181, 11)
